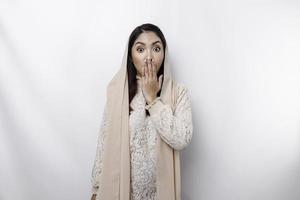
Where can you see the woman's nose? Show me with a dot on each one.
(148, 60)
(149, 57)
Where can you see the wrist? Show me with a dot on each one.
(155, 101)
(150, 100)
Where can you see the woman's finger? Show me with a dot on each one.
(146, 73)
(143, 71)
(154, 72)
(143, 80)
(151, 71)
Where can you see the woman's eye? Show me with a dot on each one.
(157, 49)
(140, 50)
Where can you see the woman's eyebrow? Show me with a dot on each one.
(144, 43)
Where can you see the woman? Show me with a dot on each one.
(146, 121)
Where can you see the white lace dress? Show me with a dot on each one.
(174, 128)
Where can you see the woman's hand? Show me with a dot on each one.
(150, 84)
(94, 197)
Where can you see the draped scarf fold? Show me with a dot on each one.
(115, 176)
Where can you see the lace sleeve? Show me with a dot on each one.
(176, 130)
(97, 167)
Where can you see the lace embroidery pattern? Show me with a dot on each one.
(142, 149)
(175, 129)
(97, 167)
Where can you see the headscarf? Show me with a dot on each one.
(115, 176)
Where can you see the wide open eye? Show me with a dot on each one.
(140, 50)
(156, 49)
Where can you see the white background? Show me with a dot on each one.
(239, 59)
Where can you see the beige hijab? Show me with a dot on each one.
(115, 177)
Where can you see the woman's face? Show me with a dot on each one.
(148, 46)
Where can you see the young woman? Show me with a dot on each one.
(146, 121)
